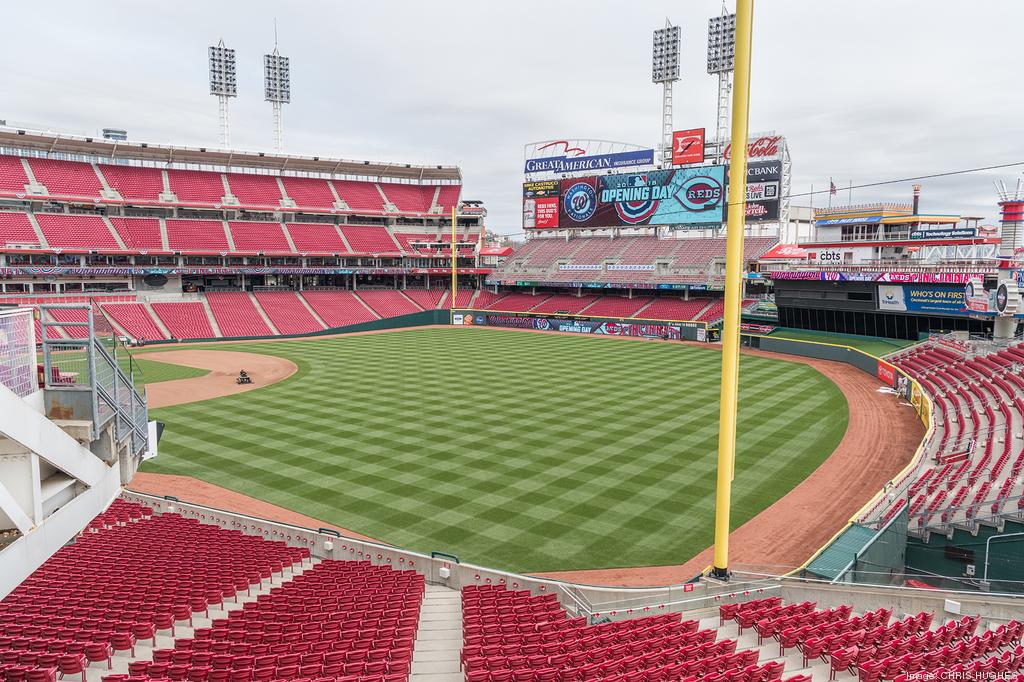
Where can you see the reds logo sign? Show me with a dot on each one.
(700, 193)
(688, 146)
(765, 146)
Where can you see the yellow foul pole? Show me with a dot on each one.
(733, 277)
(455, 274)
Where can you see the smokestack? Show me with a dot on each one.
(917, 198)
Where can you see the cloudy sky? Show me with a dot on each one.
(864, 91)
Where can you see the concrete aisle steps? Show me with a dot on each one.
(435, 655)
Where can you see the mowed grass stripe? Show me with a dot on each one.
(529, 452)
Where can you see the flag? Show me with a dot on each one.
(832, 189)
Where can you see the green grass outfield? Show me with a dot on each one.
(152, 372)
(524, 451)
(868, 344)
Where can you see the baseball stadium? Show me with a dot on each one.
(270, 417)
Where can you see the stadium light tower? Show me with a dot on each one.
(223, 84)
(721, 57)
(277, 89)
(665, 70)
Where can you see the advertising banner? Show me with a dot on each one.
(764, 188)
(761, 147)
(684, 196)
(547, 213)
(942, 232)
(596, 162)
(652, 330)
(540, 204)
(921, 299)
(886, 373)
(688, 146)
(540, 188)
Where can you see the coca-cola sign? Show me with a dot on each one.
(763, 147)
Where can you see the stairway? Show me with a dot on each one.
(435, 654)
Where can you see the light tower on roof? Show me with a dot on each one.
(665, 70)
(277, 89)
(223, 85)
(721, 57)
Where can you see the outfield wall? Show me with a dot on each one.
(672, 330)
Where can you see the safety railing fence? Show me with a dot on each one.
(18, 351)
(76, 359)
(1010, 508)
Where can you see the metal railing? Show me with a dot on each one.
(18, 351)
(82, 363)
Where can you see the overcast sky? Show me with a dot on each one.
(864, 91)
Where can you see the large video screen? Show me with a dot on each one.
(683, 196)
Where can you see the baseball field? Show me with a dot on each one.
(529, 452)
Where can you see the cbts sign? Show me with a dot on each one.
(826, 257)
(688, 146)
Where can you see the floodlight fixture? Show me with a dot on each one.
(665, 56)
(721, 43)
(223, 84)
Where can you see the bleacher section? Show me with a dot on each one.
(388, 302)
(369, 239)
(196, 236)
(316, 238)
(630, 259)
(130, 576)
(184, 320)
(236, 315)
(360, 196)
(134, 318)
(427, 298)
(287, 312)
(12, 175)
(252, 189)
(309, 192)
(66, 178)
(974, 457)
(139, 234)
(255, 237)
(338, 308)
(15, 228)
(515, 635)
(76, 232)
(563, 303)
(134, 183)
(619, 306)
(196, 187)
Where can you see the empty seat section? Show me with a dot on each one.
(254, 190)
(409, 198)
(135, 319)
(338, 308)
(388, 302)
(618, 306)
(316, 238)
(139, 234)
(197, 236)
(236, 314)
(196, 187)
(518, 302)
(359, 195)
(79, 232)
(15, 228)
(448, 197)
(485, 298)
(673, 309)
(463, 298)
(714, 312)
(564, 303)
(426, 298)
(133, 573)
(407, 239)
(253, 237)
(12, 174)
(66, 178)
(369, 239)
(287, 312)
(134, 182)
(70, 315)
(308, 192)
(185, 320)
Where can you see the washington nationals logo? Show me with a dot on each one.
(580, 202)
(640, 211)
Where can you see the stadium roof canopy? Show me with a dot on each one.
(58, 144)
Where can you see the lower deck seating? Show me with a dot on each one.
(388, 302)
(185, 319)
(339, 308)
(130, 575)
(674, 309)
(135, 319)
(286, 310)
(236, 314)
(427, 298)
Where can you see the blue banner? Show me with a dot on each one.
(597, 162)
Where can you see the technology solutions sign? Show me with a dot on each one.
(564, 156)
